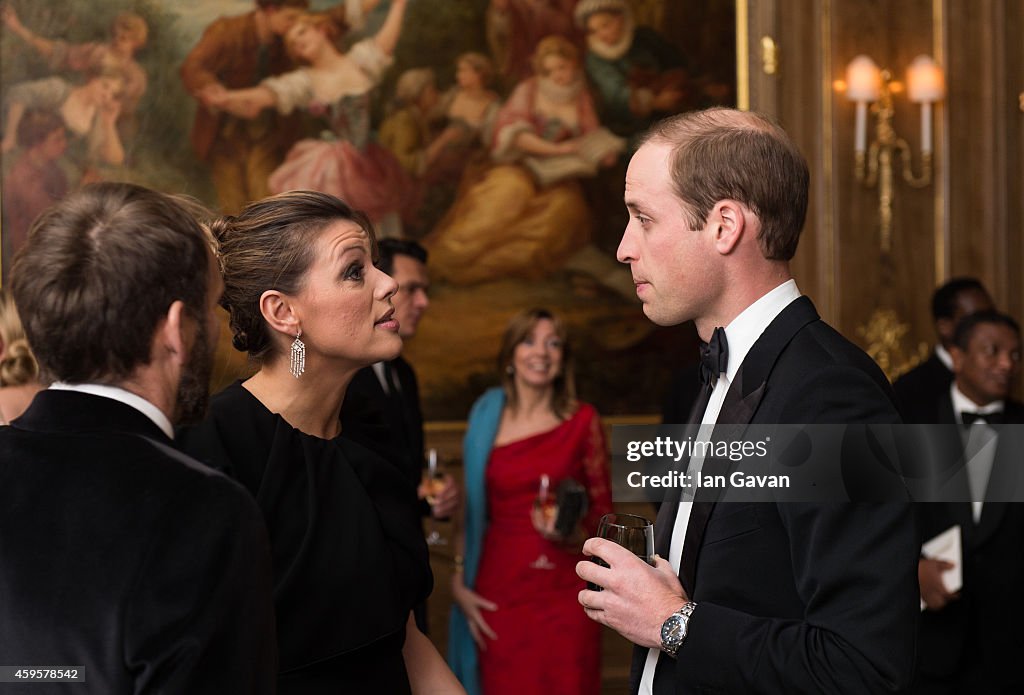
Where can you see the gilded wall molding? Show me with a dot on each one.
(884, 336)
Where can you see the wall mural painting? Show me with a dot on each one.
(496, 132)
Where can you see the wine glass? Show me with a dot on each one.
(433, 483)
(548, 506)
(546, 501)
(632, 532)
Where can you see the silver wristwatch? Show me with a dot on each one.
(674, 629)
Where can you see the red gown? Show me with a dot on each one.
(546, 643)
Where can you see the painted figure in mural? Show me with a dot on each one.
(35, 181)
(467, 111)
(438, 137)
(406, 130)
(519, 565)
(235, 53)
(407, 133)
(89, 112)
(526, 216)
(638, 75)
(463, 114)
(336, 87)
(128, 34)
(515, 27)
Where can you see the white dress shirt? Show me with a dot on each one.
(979, 446)
(740, 335)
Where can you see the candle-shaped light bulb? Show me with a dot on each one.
(925, 85)
(863, 79)
(925, 82)
(861, 130)
(926, 127)
(863, 85)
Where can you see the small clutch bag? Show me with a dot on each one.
(572, 506)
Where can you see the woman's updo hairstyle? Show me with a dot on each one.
(17, 363)
(271, 245)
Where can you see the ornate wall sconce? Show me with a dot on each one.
(873, 164)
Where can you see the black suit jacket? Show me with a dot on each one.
(392, 429)
(126, 558)
(922, 388)
(983, 627)
(795, 598)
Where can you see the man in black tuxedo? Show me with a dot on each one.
(764, 597)
(968, 641)
(382, 403)
(122, 557)
(927, 384)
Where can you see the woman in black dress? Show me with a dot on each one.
(350, 562)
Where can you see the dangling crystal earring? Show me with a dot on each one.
(298, 361)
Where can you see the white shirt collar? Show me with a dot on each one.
(122, 396)
(962, 403)
(944, 357)
(744, 330)
(378, 370)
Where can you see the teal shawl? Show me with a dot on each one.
(476, 450)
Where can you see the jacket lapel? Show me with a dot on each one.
(1002, 483)
(951, 482)
(739, 409)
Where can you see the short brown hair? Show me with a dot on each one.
(98, 274)
(722, 153)
(270, 245)
(519, 327)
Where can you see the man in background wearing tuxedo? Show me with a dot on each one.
(753, 597)
(927, 384)
(121, 556)
(382, 404)
(968, 640)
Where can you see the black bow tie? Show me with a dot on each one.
(969, 418)
(714, 358)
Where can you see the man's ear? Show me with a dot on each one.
(945, 327)
(729, 222)
(279, 313)
(958, 356)
(171, 337)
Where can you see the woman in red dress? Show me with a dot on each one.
(517, 627)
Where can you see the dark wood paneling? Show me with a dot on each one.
(1013, 112)
(969, 221)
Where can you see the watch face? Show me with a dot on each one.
(672, 630)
